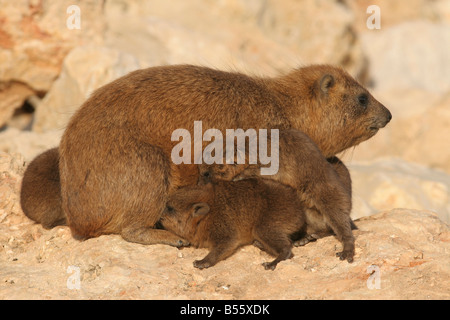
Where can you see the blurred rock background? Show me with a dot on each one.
(47, 70)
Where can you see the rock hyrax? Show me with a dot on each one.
(224, 215)
(323, 186)
(114, 157)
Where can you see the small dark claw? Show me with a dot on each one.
(201, 264)
(182, 243)
(345, 255)
(269, 265)
(305, 240)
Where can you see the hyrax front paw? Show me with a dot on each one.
(346, 254)
(181, 243)
(269, 265)
(202, 264)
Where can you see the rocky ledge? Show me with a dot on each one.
(400, 254)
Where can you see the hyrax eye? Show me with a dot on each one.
(170, 209)
(206, 174)
(363, 100)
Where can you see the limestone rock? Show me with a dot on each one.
(387, 183)
(251, 36)
(400, 254)
(411, 55)
(34, 38)
(12, 167)
(84, 70)
(29, 144)
(12, 96)
(320, 31)
(396, 12)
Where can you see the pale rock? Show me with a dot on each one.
(263, 37)
(219, 35)
(394, 249)
(319, 31)
(12, 96)
(408, 248)
(388, 183)
(29, 144)
(411, 55)
(84, 70)
(35, 39)
(396, 12)
(12, 167)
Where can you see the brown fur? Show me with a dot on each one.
(226, 215)
(317, 225)
(324, 186)
(115, 165)
(42, 176)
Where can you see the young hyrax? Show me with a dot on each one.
(324, 186)
(224, 215)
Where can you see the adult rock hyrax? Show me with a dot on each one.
(225, 215)
(114, 157)
(323, 186)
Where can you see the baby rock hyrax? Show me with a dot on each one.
(224, 215)
(324, 187)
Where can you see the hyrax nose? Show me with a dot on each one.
(389, 116)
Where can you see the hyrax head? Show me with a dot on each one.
(341, 113)
(185, 207)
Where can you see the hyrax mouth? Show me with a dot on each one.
(378, 125)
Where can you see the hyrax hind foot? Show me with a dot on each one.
(269, 265)
(202, 264)
(284, 254)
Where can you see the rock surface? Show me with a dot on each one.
(387, 183)
(414, 53)
(28, 144)
(400, 254)
(34, 40)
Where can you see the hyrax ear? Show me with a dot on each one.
(326, 82)
(200, 209)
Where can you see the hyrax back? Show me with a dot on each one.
(225, 215)
(323, 186)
